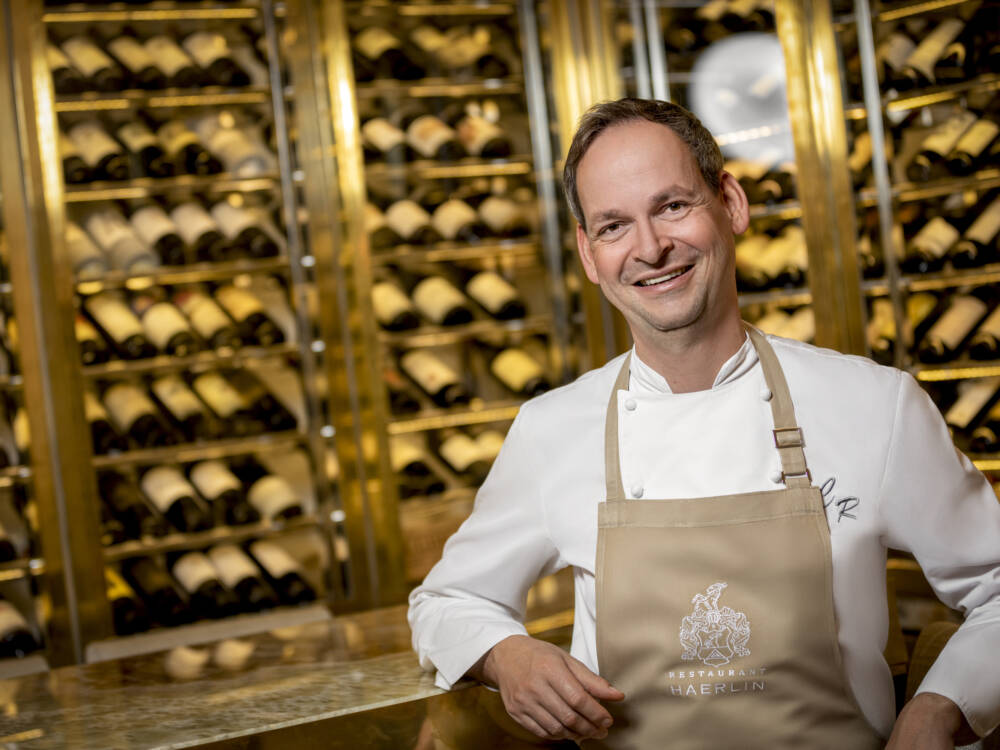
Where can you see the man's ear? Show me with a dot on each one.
(586, 254)
(735, 202)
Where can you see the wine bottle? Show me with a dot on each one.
(123, 498)
(134, 414)
(144, 145)
(384, 54)
(127, 611)
(749, 272)
(778, 183)
(86, 258)
(516, 369)
(242, 576)
(462, 454)
(985, 438)
(428, 135)
(860, 159)
(164, 325)
(434, 377)
(785, 258)
(801, 325)
(383, 141)
(16, 639)
(115, 236)
(172, 495)
(244, 231)
(114, 317)
(978, 244)
(918, 70)
(177, 66)
(922, 310)
(200, 581)
(158, 231)
(494, 293)
(928, 248)
(224, 493)
(75, 169)
(207, 318)
(401, 396)
(489, 442)
(473, 51)
(104, 156)
(93, 348)
(985, 342)
(881, 331)
(237, 146)
(504, 217)
(749, 173)
(456, 220)
(103, 434)
(160, 595)
(252, 321)
(393, 309)
(210, 51)
(409, 220)
(226, 404)
(479, 136)
(135, 58)
(200, 232)
(65, 78)
(380, 234)
(974, 397)
(282, 572)
(185, 411)
(891, 55)
(265, 407)
(436, 298)
(937, 145)
(271, 495)
(944, 339)
(973, 148)
(112, 530)
(251, 62)
(408, 461)
(183, 148)
(102, 73)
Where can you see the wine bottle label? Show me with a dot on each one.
(374, 219)
(174, 393)
(232, 219)
(975, 140)
(232, 655)
(382, 134)
(428, 39)
(489, 442)
(451, 216)
(919, 306)
(215, 391)
(712, 10)
(936, 237)
(92, 143)
(272, 494)
(232, 564)
(205, 47)
(152, 224)
(801, 325)
(374, 42)
(136, 137)
(193, 570)
(81, 249)
(991, 326)
(164, 485)
(108, 228)
(175, 136)
(974, 395)
(84, 331)
(861, 156)
(116, 586)
(942, 139)
(750, 248)
(475, 132)
(114, 316)
(491, 290)
(56, 58)
(742, 8)
(500, 214)
(93, 409)
(184, 663)
(10, 619)
(883, 322)
(131, 53)
(206, 317)
(515, 367)
(87, 57)
(405, 450)
(212, 478)
(406, 218)
(427, 134)
(463, 49)
(389, 301)
(428, 370)
(125, 404)
(984, 229)
(170, 58)
(957, 321)
(932, 48)
(273, 558)
(192, 221)
(67, 149)
(460, 451)
(239, 303)
(435, 297)
(772, 260)
(895, 50)
(774, 322)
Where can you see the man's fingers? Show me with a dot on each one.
(594, 718)
(534, 727)
(576, 724)
(594, 684)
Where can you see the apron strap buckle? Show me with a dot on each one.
(788, 437)
(785, 475)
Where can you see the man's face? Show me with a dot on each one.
(658, 241)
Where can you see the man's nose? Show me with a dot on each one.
(651, 241)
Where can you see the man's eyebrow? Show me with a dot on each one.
(674, 191)
(611, 213)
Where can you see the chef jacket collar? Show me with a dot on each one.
(644, 379)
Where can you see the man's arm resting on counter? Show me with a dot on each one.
(545, 690)
(930, 722)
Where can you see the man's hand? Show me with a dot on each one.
(546, 690)
(930, 722)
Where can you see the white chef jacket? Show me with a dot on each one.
(874, 441)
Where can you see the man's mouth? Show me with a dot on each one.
(664, 277)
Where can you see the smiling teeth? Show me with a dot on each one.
(661, 279)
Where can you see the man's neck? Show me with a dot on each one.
(689, 361)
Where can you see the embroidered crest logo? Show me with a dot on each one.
(713, 635)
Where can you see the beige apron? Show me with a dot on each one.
(715, 615)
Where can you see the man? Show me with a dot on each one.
(725, 500)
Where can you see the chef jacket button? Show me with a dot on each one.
(765, 394)
(630, 404)
(637, 490)
(776, 476)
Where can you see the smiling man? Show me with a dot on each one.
(721, 600)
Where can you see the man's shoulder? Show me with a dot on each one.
(584, 397)
(814, 367)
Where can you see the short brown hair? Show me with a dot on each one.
(602, 116)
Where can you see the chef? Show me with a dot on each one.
(724, 498)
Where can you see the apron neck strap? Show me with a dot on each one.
(787, 434)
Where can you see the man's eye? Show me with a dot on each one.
(609, 228)
(674, 206)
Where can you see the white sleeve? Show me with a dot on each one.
(475, 596)
(938, 506)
